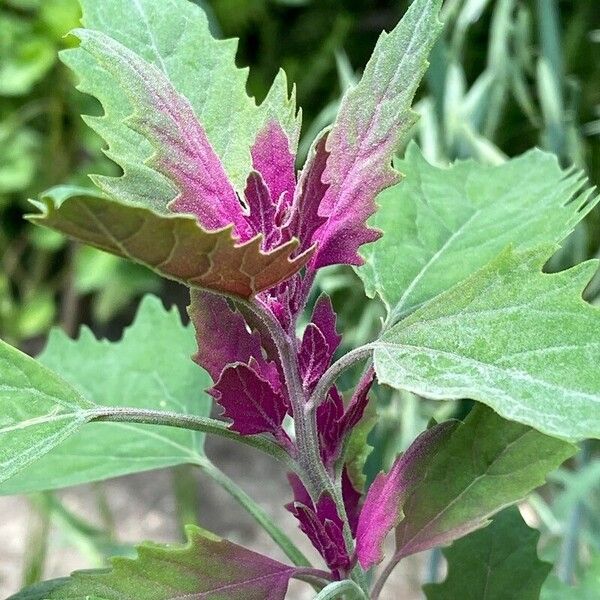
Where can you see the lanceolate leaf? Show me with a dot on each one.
(38, 410)
(373, 119)
(149, 368)
(175, 246)
(499, 562)
(207, 568)
(174, 36)
(382, 509)
(441, 225)
(519, 340)
(487, 464)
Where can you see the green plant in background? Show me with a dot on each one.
(470, 318)
(43, 141)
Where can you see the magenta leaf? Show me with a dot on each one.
(322, 525)
(351, 497)
(182, 152)
(250, 401)
(272, 158)
(324, 318)
(382, 509)
(373, 119)
(263, 213)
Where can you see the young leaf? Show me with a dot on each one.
(38, 410)
(382, 509)
(519, 340)
(373, 119)
(502, 563)
(175, 246)
(442, 225)
(206, 568)
(487, 464)
(149, 368)
(174, 36)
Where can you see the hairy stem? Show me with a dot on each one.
(193, 422)
(322, 388)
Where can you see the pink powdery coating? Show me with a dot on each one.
(272, 158)
(250, 401)
(322, 525)
(382, 509)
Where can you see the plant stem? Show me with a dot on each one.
(193, 422)
(382, 579)
(338, 589)
(335, 370)
(259, 515)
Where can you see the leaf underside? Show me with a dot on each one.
(175, 246)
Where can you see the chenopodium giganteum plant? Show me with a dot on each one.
(209, 196)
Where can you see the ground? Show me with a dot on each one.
(143, 507)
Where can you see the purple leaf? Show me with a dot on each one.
(250, 401)
(382, 509)
(182, 152)
(272, 158)
(223, 337)
(263, 213)
(305, 219)
(358, 402)
(322, 525)
(324, 318)
(373, 119)
(351, 497)
(329, 426)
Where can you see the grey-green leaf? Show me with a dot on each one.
(499, 562)
(487, 464)
(149, 368)
(174, 36)
(38, 410)
(441, 225)
(519, 340)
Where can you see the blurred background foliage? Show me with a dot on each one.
(506, 75)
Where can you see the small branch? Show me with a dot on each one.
(342, 589)
(337, 368)
(382, 579)
(193, 422)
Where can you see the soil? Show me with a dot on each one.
(143, 507)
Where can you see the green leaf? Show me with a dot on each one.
(174, 36)
(207, 568)
(487, 464)
(148, 368)
(519, 340)
(441, 225)
(38, 410)
(499, 562)
(586, 589)
(175, 246)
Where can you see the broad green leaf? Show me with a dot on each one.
(487, 464)
(38, 410)
(499, 562)
(207, 568)
(174, 36)
(150, 367)
(175, 246)
(586, 589)
(521, 341)
(441, 225)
